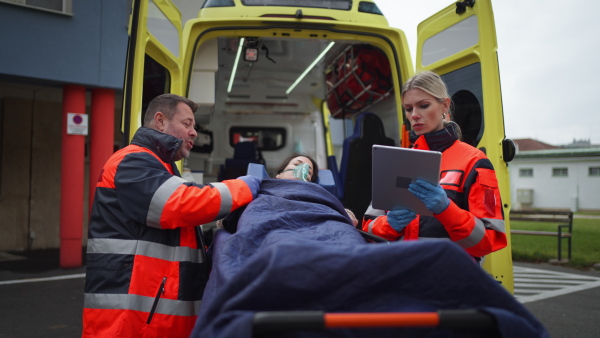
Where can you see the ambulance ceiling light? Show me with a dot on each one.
(235, 64)
(323, 53)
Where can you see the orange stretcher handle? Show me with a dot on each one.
(354, 320)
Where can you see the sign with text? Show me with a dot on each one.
(77, 124)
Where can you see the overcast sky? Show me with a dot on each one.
(549, 55)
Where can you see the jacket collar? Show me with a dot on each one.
(437, 141)
(163, 145)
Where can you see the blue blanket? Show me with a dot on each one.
(295, 249)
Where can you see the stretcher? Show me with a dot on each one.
(281, 321)
(296, 262)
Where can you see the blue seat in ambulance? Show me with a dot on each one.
(356, 168)
(244, 153)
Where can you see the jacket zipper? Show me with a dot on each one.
(161, 289)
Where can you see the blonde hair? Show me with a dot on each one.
(432, 84)
(429, 82)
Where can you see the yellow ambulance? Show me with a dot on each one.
(311, 76)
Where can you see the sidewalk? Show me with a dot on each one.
(37, 297)
(41, 263)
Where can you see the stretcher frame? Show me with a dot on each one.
(280, 321)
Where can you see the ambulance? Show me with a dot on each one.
(320, 77)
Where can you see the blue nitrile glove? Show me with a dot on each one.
(253, 182)
(433, 196)
(399, 218)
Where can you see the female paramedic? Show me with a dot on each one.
(466, 204)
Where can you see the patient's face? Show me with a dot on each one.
(287, 173)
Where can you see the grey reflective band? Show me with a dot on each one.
(494, 224)
(475, 237)
(371, 212)
(226, 199)
(481, 225)
(160, 198)
(374, 212)
(140, 303)
(144, 248)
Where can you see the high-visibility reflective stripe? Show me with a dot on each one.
(144, 248)
(160, 198)
(494, 224)
(140, 303)
(479, 231)
(475, 237)
(374, 212)
(451, 177)
(226, 199)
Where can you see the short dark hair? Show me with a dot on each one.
(166, 103)
(315, 176)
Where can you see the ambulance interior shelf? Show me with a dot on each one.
(358, 78)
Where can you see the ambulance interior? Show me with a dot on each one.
(271, 91)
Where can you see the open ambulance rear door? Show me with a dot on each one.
(459, 43)
(154, 59)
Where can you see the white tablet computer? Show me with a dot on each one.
(394, 168)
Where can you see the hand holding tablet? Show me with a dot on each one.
(394, 168)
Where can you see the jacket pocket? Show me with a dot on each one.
(485, 196)
(161, 290)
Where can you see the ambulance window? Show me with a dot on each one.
(450, 41)
(267, 138)
(467, 113)
(218, 3)
(163, 29)
(466, 91)
(157, 81)
(369, 7)
(329, 4)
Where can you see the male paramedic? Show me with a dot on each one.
(146, 268)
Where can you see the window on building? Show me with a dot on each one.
(526, 172)
(58, 6)
(594, 171)
(560, 172)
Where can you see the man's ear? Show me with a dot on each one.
(159, 121)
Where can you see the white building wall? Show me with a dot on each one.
(576, 191)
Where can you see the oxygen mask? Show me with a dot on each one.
(301, 172)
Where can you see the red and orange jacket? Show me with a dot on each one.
(145, 261)
(474, 219)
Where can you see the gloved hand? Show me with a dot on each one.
(399, 218)
(253, 183)
(433, 196)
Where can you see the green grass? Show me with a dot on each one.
(585, 243)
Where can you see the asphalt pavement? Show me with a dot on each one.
(39, 299)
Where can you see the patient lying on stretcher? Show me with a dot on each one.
(294, 167)
(294, 248)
